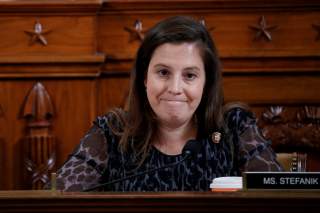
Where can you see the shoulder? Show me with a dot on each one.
(112, 122)
(252, 150)
(238, 118)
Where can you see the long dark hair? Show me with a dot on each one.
(139, 120)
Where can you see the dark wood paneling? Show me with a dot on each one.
(86, 64)
(68, 35)
(112, 93)
(74, 103)
(272, 89)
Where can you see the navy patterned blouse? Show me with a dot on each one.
(98, 160)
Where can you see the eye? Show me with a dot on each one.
(163, 72)
(190, 76)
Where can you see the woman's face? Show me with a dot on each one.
(175, 82)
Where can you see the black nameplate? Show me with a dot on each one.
(281, 180)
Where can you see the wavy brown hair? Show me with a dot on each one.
(139, 123)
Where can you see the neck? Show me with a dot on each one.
(171, 140)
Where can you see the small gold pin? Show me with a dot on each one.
(216, 137)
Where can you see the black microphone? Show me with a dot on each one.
(191, 149)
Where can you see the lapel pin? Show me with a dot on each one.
(216, 137)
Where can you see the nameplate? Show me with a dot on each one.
(281, 180)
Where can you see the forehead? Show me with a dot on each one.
(186, 53)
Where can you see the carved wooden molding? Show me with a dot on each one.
(253, 5)
(263, 30)
(137, 32)
(39, 144)
(37, 34)
(97, 58)
(45, 6)
(38, 66)
(292, 130)
(38, 108)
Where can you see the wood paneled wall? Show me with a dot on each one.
(81, 53)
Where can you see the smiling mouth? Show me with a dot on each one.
(170, 100)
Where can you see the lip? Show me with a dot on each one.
(172, 100)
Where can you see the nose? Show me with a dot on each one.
(175, 85)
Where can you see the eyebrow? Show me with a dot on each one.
(193, 68)
(161, 65)
(187, 68)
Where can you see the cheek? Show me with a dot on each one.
(153, 84)
(197, 97)
(154, 89)
(196, 92)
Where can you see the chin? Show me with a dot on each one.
(175, 120)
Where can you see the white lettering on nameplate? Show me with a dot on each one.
(269, 180)
(298, 181)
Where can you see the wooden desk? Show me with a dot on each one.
(242, 201)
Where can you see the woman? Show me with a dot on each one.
(175, 95)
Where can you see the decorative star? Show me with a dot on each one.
(263, 29)
(37, 35)
(203, 22)
(136, 33)
(317, 28)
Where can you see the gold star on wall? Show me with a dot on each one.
(37, 35)
(136, 33)
(317, 28)
(263, 30)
